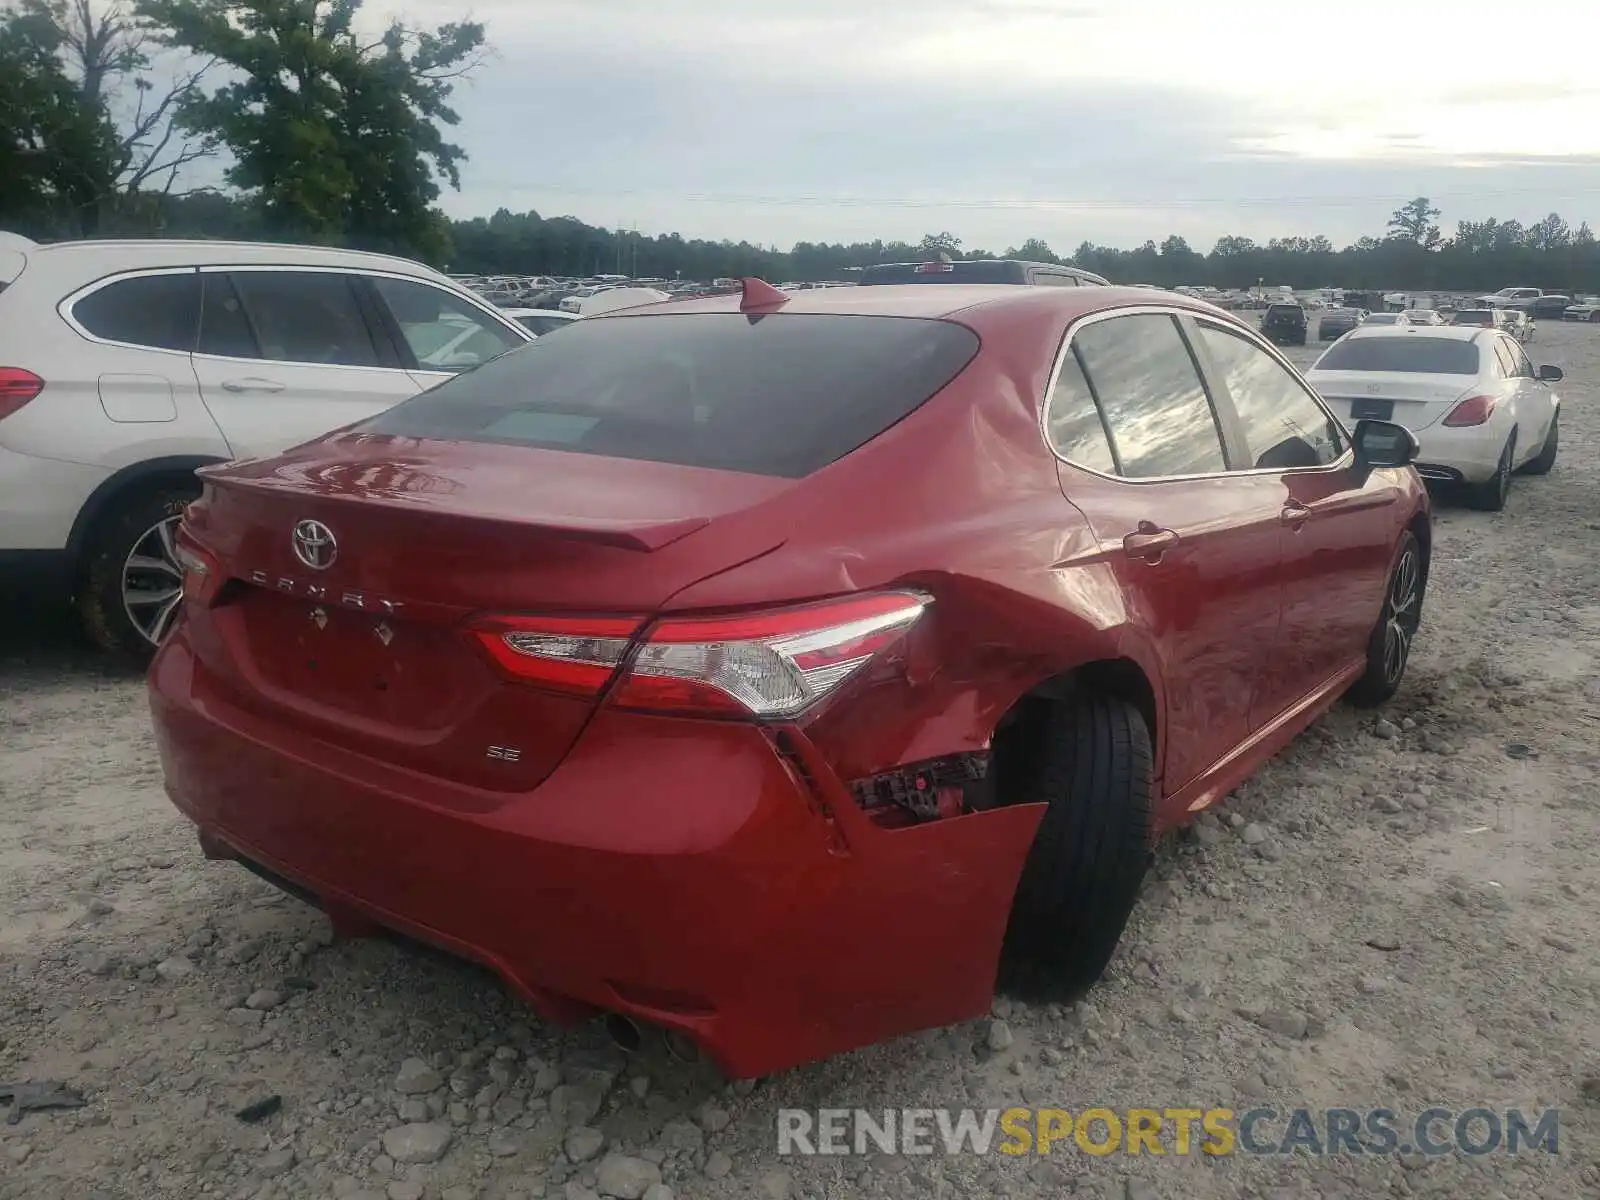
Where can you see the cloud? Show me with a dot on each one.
(1004, 119)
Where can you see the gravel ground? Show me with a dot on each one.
(175, 992)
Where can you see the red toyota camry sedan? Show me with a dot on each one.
(784, 670)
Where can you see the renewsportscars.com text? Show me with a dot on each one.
(1166, 1131)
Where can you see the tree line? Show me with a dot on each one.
(311, 129)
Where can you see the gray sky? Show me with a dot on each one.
(1111, 120)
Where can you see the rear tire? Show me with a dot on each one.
(1490, 495)
(1093, 771)
(1389, 647)
(128, 601)
(1541, 463)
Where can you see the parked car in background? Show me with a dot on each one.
(619, 297)
(126, 365)
(1511, 297)
(1518, 324)
(1479, 318)
(1424, 316)
(1587, 308)
(663, 756)
(1479, 408)
(1336, 322)
(540, 320)
(984, 270)
(1550, 305)
(1386, 318)
(1285, 324)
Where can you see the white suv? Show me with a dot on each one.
(125, 365)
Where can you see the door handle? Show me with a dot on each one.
(251, 385)
(1149, 542)
(1294, 514)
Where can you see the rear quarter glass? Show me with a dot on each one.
(781, 394)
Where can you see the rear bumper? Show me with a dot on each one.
(1458, 455)
(678, 872)
(40, 499)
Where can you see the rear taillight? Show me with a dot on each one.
(17, 387)
(574, 655)
(202, 573)
(773, 664)
(1474, 410)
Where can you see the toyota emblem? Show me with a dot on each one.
(315, 545)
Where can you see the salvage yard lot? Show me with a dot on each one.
(1400, 912)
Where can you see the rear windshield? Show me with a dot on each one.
(983, 270)
(1423, 355)
(1474, 316)
(1285, 310)
(1383, 319)
(777, 395)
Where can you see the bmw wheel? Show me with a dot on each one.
(132, 588)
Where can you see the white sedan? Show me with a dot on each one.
(539, 321)
(1477, 405)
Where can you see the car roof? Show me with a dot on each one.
(115, 254)
(948, 300)
(1457, 333)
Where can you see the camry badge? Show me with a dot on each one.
(315, 545)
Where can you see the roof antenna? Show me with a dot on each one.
(759, 295)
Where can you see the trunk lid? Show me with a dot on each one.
(368, 650)
(1409, 399)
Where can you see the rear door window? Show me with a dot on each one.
(224, 329)
(1072, 420)
(161, 312)
(307, 317)
(1149, 388)
(777, 395)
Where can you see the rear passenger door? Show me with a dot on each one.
(1194, 544)
(1533, 400)
(288, 354)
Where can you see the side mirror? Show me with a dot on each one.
(1384, 444)
(1552, 374)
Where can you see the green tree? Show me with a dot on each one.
(1033, 250)
(940, 243)
(56, 153)
(104, 51)
(1413, 221)
(334, 137)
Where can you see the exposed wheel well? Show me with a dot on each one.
(1016, 741)
(139, 478)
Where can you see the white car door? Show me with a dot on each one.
(1535, 403)
(287, 354)
(440, 333)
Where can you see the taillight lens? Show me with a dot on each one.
(17, 387)
(1474, 410)
(202, 573)
(775, 664)
(771, 664)
(573, 655)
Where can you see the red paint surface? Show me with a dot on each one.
(680, 870)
